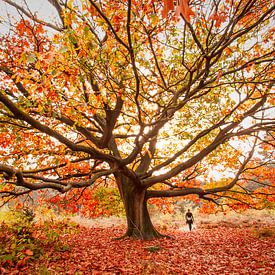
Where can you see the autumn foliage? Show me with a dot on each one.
(214, 251)
(182, 8)
(156, 98)
(95, 203)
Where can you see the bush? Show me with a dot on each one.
(17, 243)
(92, 203)
(22, 240)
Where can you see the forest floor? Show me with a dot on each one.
(215, 246)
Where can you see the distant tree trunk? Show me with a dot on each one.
(139, 225)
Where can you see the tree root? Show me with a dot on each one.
(129, 234)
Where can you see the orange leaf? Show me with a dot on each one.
(168, 6)
(184, 9)
(219, 74)
(28, 252)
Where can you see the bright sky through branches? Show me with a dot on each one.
(42, 9)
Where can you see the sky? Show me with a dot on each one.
(42, 8)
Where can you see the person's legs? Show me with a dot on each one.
(190, 226)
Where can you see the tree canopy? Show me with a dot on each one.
(141, 93)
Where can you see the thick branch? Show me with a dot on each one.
(222, 137)
(45, 129)
(47, 183)
(111, 119)
(174, 193)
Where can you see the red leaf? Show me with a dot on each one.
(28, 252)
(184, 9)
(168, 6)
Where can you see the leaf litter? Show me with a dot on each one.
(218, 250)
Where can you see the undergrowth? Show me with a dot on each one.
(23, 238)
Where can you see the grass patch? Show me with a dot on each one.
(153, 248)
(265, 232)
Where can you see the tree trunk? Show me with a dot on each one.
(138, 219)
(139, 225)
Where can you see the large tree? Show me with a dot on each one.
(135, 93)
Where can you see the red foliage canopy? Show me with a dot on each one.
(182, 8)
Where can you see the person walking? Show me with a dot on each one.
(189, 219)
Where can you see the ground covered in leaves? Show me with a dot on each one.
(220, 250)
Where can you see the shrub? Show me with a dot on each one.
(17, 244)
(22, 240)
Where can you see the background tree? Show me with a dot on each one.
(115, 91)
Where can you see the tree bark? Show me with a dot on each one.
(139, 224)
